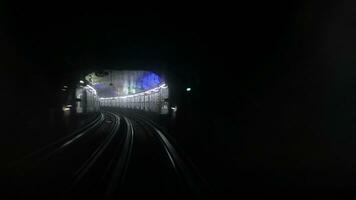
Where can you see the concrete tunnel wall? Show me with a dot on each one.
(154, 100)
(159, 99)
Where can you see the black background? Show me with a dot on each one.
(272, 82)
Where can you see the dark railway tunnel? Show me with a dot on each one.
(269, 109)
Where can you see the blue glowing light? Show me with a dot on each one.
(99, 86)
(148, 80)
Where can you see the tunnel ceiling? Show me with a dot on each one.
(112, 83)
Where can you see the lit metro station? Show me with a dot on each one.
(140, 90)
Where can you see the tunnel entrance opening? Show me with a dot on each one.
(133, 89)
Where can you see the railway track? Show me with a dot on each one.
(117, 155)
(56, 146)
(46, 172)
(175, 170)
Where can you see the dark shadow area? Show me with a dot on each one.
(271, 108)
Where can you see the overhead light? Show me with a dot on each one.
(93, 89)
(163, 86)
(189, 89)
(65, 86)
(81, 81)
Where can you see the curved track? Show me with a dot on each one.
(158, 169)
(117, 155)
